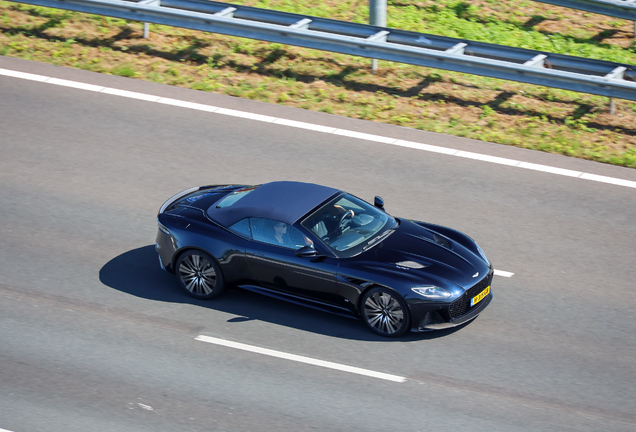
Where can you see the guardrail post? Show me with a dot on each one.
(147, 25)
(617, 73)
(377, 17)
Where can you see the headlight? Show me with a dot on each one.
(483, 255)
(432, 292)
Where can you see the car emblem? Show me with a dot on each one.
(476, 274)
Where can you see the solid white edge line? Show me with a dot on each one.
(364, 136)
(23, 75)
(303, 125)
(75, 84)
(503, 273)
(245, 114)
(300, 359)
(5, 430)
(324, 129)
(185, 104)
(425, 147)
(549, 169)
(131, 94)
(610, 180)
(487, 158)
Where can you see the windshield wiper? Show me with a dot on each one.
(378, 238)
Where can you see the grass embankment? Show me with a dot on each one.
(528, 116)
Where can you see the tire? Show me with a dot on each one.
(199, 275)
(385, 312)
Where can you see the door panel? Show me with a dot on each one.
(279, 268)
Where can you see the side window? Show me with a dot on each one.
(243, 228)
(278, 233)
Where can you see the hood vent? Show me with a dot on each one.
(410, 264)
(442, 241)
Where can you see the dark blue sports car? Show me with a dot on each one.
(323, 248)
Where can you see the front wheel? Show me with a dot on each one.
(385, 312)
(199, 275)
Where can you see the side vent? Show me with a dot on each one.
(359, 282)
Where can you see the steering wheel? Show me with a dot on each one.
(348, 215)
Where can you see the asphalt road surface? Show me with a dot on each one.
(95, 337)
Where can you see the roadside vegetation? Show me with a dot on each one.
(534, 117)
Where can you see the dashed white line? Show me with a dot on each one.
(301, 359)
(503, 273)
(323, 129)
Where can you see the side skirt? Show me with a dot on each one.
(300, 301)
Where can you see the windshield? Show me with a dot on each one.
(348, 224)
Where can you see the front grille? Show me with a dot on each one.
(461, 306)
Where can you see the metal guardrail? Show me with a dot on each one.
(578, 74)
(624, 9)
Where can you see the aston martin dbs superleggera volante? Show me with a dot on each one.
(323, 248)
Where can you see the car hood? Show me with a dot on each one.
(421, 255)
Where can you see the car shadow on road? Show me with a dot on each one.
(137, 272)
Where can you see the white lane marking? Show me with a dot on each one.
(23, 75)
(75, 84)
(130, 94)
(324, 129)
(146, 407)
(610, 180)
(487, 158)
(190, 105)
(503, 273)
(301, 359)
(303, 125)
(364, 136)
(5, 430)
(549, 169)
(246, 115)
(426, 147)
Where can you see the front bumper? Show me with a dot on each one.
(436, 320)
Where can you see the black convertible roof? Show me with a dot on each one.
(283, 201)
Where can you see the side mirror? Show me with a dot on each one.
(306, 252)
(378, 202)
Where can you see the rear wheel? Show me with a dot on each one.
(199, 275)
(385, 312)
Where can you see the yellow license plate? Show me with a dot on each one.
(479, 297)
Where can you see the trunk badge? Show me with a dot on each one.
(476, 274)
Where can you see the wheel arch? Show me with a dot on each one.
(373, 285)
(184, 249)
(407, 325)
